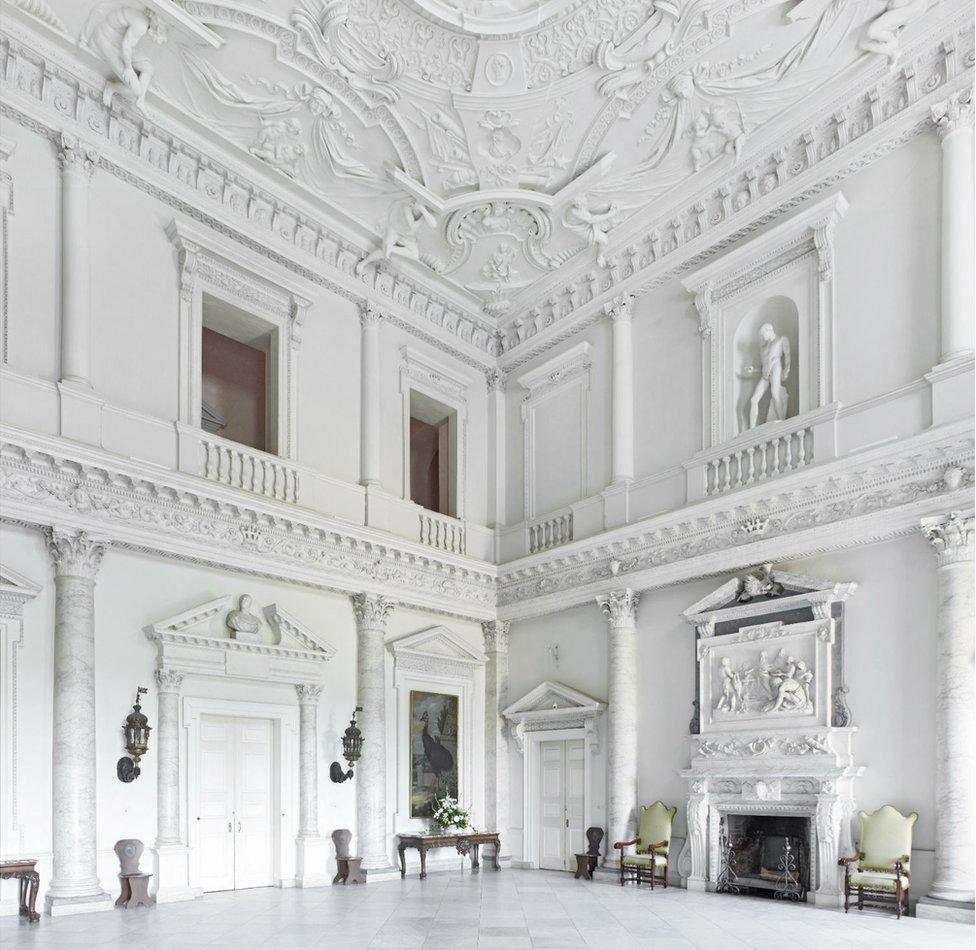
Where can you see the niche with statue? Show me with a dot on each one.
(765, 313)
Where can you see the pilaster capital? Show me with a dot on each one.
(372, 610)
(369, 315)
(74, 553)
(953, 113)
(618, 309)
(620, 607)
(951, 537)
(168, 681)
(496, 635)
(494, 380)
(76, 156)
(308, 693)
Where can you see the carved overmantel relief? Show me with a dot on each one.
(774, 728)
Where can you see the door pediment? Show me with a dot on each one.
(553, 705)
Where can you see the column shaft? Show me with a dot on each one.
(371, 614)
(496, 744)
(75, 874)
(621, 610)
(308, 760)
(370, 397)
(623, 395)
(167, 744)
(77, 165)
(955, 738)
(954, 119)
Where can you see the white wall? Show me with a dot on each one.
(134, 591)
(890, 667)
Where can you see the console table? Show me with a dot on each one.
(30, 881)
(462, 843)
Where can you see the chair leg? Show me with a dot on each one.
(860, 898)
(621, 870)
(653, 869)
(665, 875)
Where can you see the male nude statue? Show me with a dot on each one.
(775, 354)
(115, 35)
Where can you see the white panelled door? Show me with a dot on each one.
(561, 803)
(236, 821)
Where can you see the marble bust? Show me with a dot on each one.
(243, 624)
(773, 371)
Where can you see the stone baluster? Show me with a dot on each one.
(496, 744)
(370, 319)
(951, 893)
(954, 120)
(311, 847)
(372, 612)
(74, 881)
(620, 608)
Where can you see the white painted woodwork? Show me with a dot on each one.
(236, 796)
(561, 792)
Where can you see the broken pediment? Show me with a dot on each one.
(230, 636)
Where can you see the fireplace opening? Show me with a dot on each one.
(765, 855)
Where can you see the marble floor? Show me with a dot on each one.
(513, 909)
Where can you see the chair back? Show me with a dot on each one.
(886, 837)
(655, 825)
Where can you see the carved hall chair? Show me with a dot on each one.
(653, 841)
(879, 872)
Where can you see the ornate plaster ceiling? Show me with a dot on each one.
(482, 145)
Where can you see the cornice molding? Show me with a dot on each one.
(873, 496)
(45, 481)
(878, 113)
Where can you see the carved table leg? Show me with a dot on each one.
(403, 860)
(33, 882)
(498, 848)
(475, 863)
(423, 862)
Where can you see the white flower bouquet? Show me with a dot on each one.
(447, 813)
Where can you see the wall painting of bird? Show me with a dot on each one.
(433, 750)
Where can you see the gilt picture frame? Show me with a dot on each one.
(434, 731)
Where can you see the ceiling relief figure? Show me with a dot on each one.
(407, 216)
(120, 35)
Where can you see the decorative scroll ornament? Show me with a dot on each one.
(496, 635)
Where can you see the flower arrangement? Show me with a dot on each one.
(447, 813)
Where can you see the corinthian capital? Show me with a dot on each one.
(620, 606)
(619, 308)
(308, 693)
(369, 316)
(168, 681)
(74, 554)
(951, 537)
(372, 610)
(953, 113)
(75, 155)
(496, 635)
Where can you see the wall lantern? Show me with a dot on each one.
(352, 749)
(136, 731)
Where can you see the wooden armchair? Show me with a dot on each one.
(880, 872)
(653, 841)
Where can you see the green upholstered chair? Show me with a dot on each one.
(880, 872)
(653, 841)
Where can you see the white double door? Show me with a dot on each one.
(237, 803)
(561, 801)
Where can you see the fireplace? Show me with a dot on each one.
(765, 854)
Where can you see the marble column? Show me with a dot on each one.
(954, 120)
(77, 162)
(373, 842)
(74, 880)
(170, 853)
(311, 847)
(951, 893)
(622, 462)
(496, 744)
(620, 608)
(370, 319)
